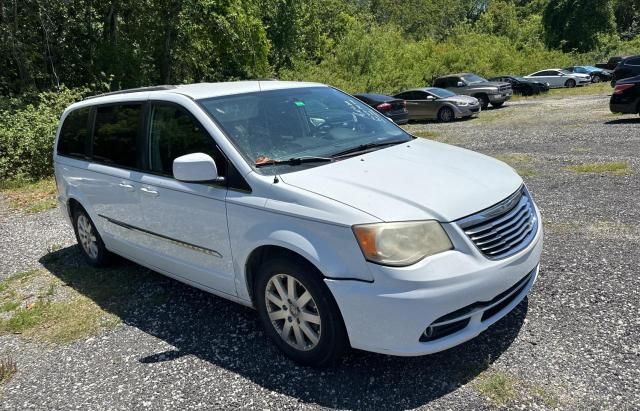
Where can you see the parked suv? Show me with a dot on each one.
(294, 198)
(496, 93)
(628, 67)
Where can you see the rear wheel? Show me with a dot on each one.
(571, 83)
(299, 313)
(498, 105)
(446, 114)
(596, 79)
(91, 244)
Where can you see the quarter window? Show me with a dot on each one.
(174, 133)
(74, 133)
(117, 139)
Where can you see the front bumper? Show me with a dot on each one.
(500, 98)
(390, 315)
(467, 111)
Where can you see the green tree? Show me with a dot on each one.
(576, 24)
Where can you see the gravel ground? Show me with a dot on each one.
(573, 344)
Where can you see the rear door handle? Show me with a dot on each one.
(149, 191)
(126, 186)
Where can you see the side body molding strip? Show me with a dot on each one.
(163, 237)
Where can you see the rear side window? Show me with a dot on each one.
(74, 134)
(174, 133)
(633, 62)
(440, 83)
(117, 139)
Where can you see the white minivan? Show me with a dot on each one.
(299, 200)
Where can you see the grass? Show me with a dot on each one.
(614, 168)
(497, 386)
(7, 369)
(520, 162)
(34, 312)
(29, 196)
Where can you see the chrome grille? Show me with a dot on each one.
(505, 228)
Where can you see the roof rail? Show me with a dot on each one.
(133, 90)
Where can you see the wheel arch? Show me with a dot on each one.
(268, 251)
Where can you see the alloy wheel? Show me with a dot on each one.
(87, 237)
(293, 312)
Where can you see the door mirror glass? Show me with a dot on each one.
(196, 168)
(460, 84)
(430, 98)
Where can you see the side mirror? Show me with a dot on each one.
(430, 98)
(460, 84)
(196, 168)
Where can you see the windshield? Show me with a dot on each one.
(565, 72)
(440, 92)
(472, 78)
(521, 79)
(591, 68)
(299, 122)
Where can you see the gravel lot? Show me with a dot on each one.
(573, 344)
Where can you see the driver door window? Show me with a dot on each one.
(173, 133)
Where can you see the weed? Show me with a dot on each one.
(614, 168)
(7, 369)
(499, 387)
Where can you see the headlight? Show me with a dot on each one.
(462, 103)
(401, 244)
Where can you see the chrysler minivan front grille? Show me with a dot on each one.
(505, 228)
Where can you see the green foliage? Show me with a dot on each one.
(27, 129)
(379, 58)
(576, 24)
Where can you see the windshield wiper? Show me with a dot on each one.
(362, 148)
(294, 161)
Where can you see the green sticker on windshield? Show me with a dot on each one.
(299, 103)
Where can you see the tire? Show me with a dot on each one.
(484, 100)
(89, 240)
(446, 115)
(571, 83)
(596, 79)
(318, 341)
(498, 105)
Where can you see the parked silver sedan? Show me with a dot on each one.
(557, 78)
(433, 103)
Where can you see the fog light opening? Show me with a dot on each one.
(428, 332)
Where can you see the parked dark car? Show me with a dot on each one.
(597, 74)
(611, 64)
(391, 107)
(628, 67)
(626, 96)
(432, 103)
(522, 86)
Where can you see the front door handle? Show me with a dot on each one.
(126, 186)
(149, 191)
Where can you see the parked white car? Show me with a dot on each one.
(557, 78)
(296, 199)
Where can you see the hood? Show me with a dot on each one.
(421, 179)
(459, 97)
(581, 75)
(490, 84)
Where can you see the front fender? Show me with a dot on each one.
(332, 249)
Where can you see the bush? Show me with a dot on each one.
(27, 129)
(381, 59)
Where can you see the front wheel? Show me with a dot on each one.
(299, 313)
(596, 79)
(483, 100)
(446, 114)
(571, 83)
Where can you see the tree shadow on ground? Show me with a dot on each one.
(229, 335)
